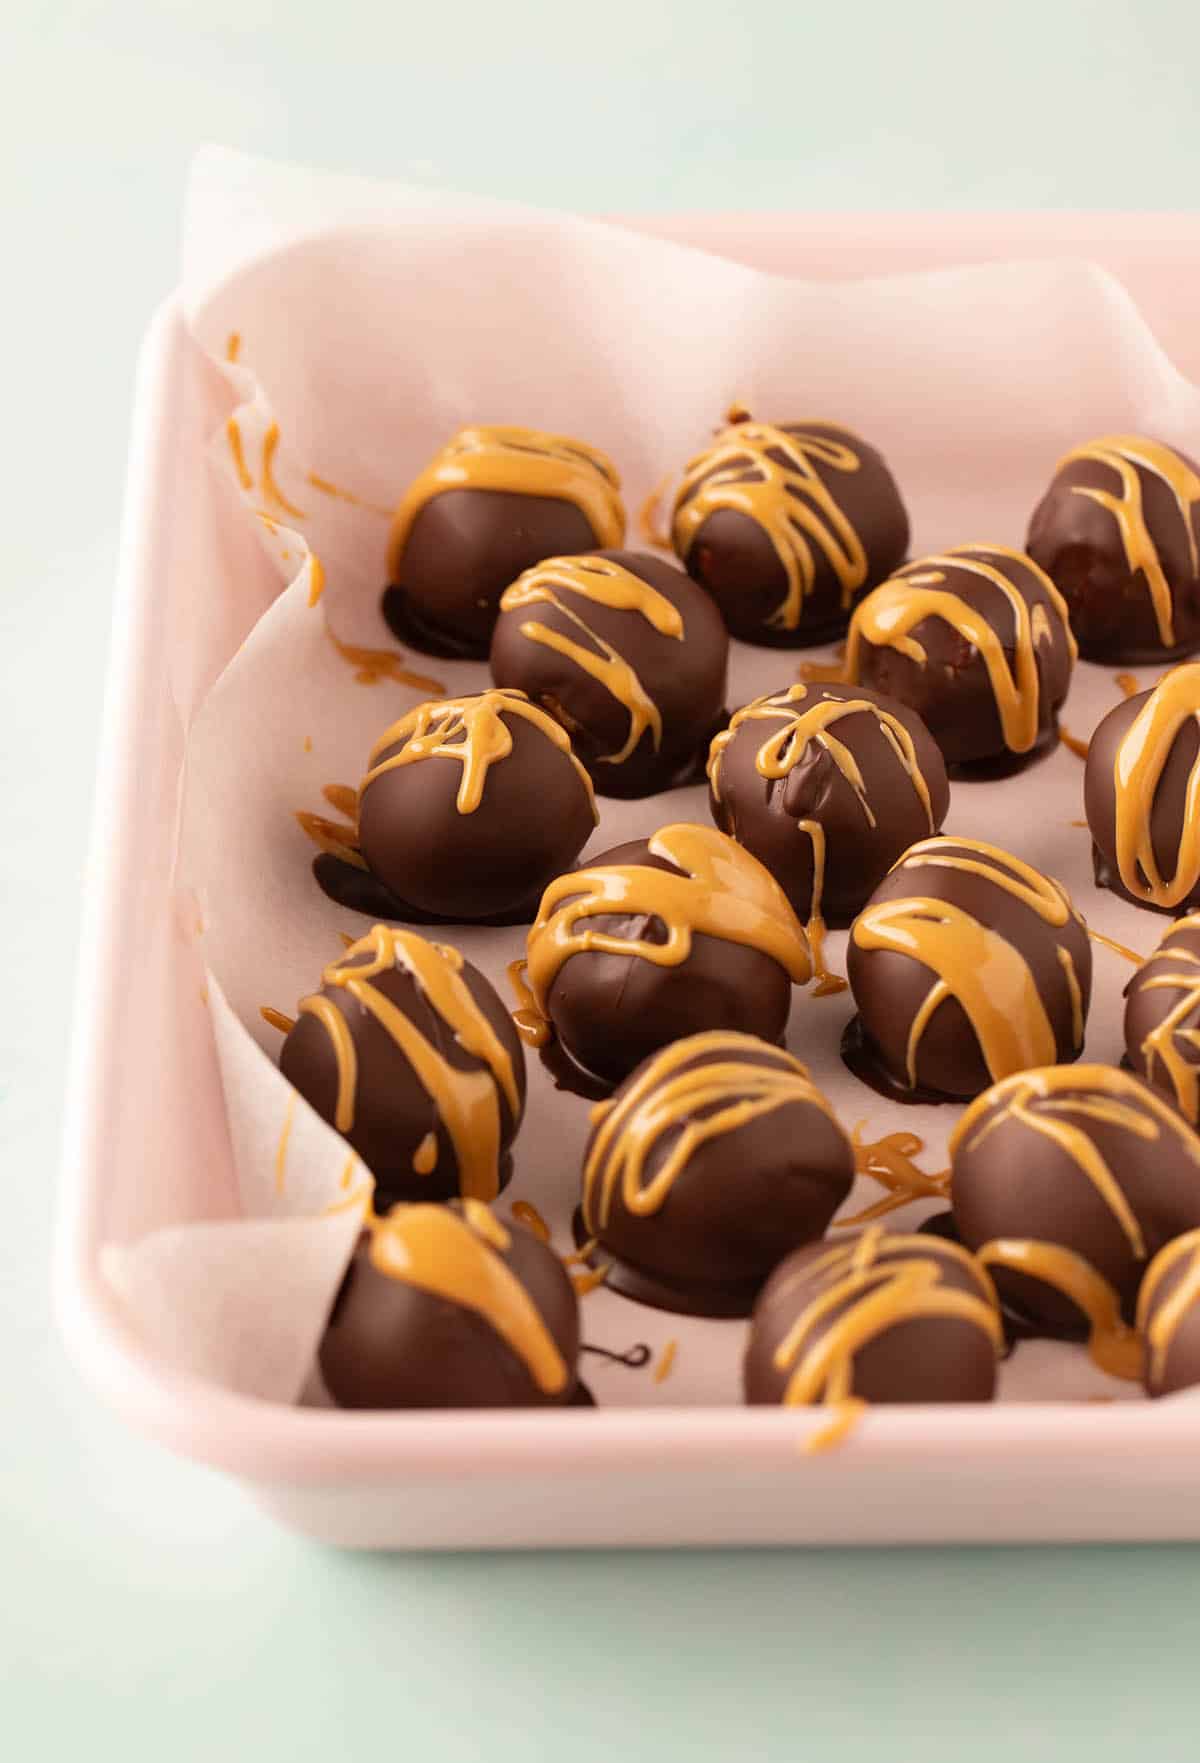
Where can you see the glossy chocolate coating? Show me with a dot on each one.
(1166, 815)
(684, 678)
(610, 1012)
(742, 1200)
(918, 1359)
(1010, 1179)
(734, 558)
(392, 1345)
(394, 1112)
(1179, 1368)
(890, 987)
(1078, 542)
(762, 813)
(1167, 1055)
(533, 820)
(463, 550)
(951, 689)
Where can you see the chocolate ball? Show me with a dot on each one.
(1085, 1159)
(827, 785)
(875, 1318)
(470, 806)
(492, 503)
(714, 1158)
(444, 1307)
(1162, 1018)
(657, 939)
(1119, 532)
(628, 654)
(408, 1051)
(1141, 795)
(786, 525)
(1168, 1317)
(966, 964)
(976, 640)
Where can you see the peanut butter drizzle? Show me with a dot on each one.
(471, 731)
(604, 583)
(786, 497)
(1137, 770)
(233, 346)
(889, 1161)
(233, 435)
(1160, 1330)
(343, 797)
(785, 747)
(1128, 684)
(373, 665)
(1110, 943)
(986, 973)
(523, 462)
(829, 673)
(347, 1175)
(341, 495)
(425, 1156)
(866, 1292)
(332, 836)
(271, 489)
(276, 1019)
(456, 1256)
(530, 1024)
(588, 1282)
(689, 1104)
(1113, 1346)
(467, 1102)
(666, 1363)
(649, 520)
(316, 578)
(527, 1214)
(1164, 1042)
(1073, 744)
(715, 888)
(889, 615)
(281, 1150)
(1123, 454)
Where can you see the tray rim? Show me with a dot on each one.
(273, 1443)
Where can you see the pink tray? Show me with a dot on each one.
(1013, 1473)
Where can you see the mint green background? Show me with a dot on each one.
(146, 1612)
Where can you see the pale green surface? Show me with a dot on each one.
(145, 1611)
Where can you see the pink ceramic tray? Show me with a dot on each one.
(133, 1159)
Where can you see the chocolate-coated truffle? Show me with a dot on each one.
(408, 1051)
(786, 526)
(976, 640)
(1162, 1018)
(659, 939)
(444, 1307)
(714, 1159)
(628, 654)
(1168, 1317)
(1078, 1171)
(1142, 795)
(875, 1318)
(492, 503)
(966, 964)
(1119, 532)
(827, 785)
(470, 806)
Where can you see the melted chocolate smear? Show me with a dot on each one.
(581, 1397)
(1001, 765)
(635, 1357)
(656, 1293)
(859, 1056)
(569, 1076)
(359, 891)
(1017, 1326)
(414, 634)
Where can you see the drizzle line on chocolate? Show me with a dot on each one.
(1113, 1345)
(602, 582)
(1159, 1333)
(1170, 1041)
(769, 474)
(467, 1102)
(889, 615)
(472, 731)
(520, 461)
(691, 1092)
(1139, 764)
(714, 888)
(1125, 455)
